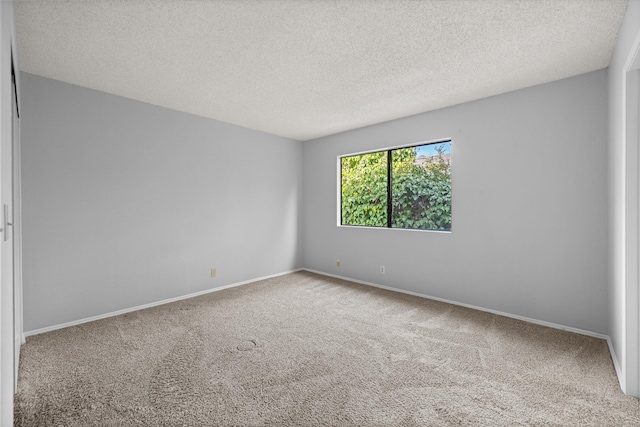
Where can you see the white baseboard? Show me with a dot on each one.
(488, 310)
(149, 305)
(614, 357)
(616, 365)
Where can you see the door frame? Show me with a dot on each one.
(630, 380)
(17, 227)
(8, 59)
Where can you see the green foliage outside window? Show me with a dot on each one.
(364, 190)
(420, 189)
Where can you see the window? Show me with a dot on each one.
(406, 187)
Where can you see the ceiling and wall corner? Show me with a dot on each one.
(304, 69)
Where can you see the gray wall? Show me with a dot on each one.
(126, 203)
(529, 206)
(623, 291)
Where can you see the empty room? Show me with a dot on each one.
(320, 213)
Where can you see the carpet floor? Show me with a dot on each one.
(309, 350)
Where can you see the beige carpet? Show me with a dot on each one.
(307, 350)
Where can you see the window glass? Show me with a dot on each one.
(364, 189)
(421, 187)
(419, 194)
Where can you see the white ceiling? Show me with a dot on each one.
(309, 68)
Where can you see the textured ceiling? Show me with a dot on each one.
(309, 68)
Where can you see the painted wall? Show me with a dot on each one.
(126, 203)
(529, 183)
(623, 309)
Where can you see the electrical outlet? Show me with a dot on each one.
(338, 263)
(213, 272)
(382, 270)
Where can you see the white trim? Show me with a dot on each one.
(338, 191)
(362, 282)
(474, 307)
(397, 147)
(616, 364)
(634, 52)
(149, 305)
(368, 227)
(17, 229)
(7, 330)
(629, 373)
